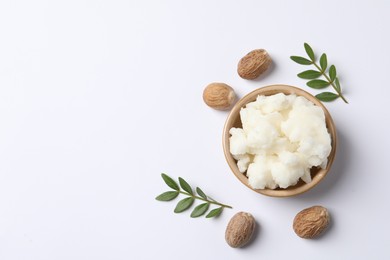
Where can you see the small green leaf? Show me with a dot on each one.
(301, 60)
(184, 204)
(201, 193)
(330, 76)
(215, 212)
(309, 51)
(317, 83)
(170, 182)
(338, 87)
(332, 73)
(200, 210)
(323, 62)
(327, 96)
(167, 196)
(309, 74)
(185, 186)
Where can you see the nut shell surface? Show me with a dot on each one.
(240, 229)
(311, 222)
(254, 64)
(219, 96)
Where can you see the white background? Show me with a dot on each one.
(97, 98)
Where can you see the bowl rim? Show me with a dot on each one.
(270, 90)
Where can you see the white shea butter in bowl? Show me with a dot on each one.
(279, 140)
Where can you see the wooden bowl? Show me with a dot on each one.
(234, 120)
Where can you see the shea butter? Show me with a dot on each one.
(281, 139)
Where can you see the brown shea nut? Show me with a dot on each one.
(240, 229)
(219, 96)
(311, 222)
(254, 64)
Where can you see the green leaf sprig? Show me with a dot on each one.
(330, 75)
(187, 202)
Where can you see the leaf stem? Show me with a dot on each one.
(209, 201)
(331, 82)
